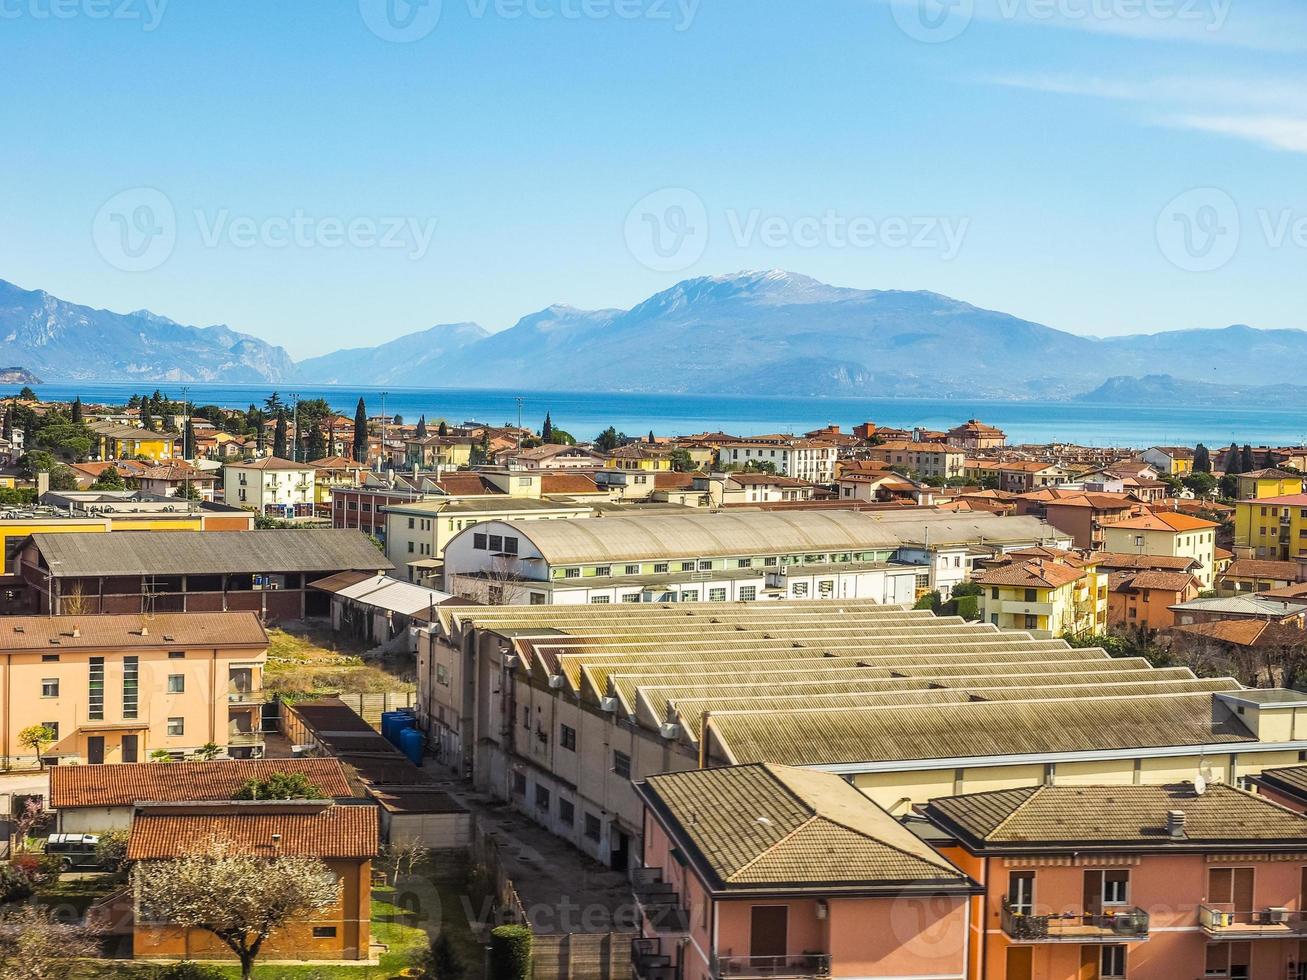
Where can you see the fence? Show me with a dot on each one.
(370, 706)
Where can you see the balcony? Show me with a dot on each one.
(1222, 922)
(244, 738)
(659, 902)
(807, 966)
(1117, 926)
(1017, 607)
(237, 696)
(651, 961)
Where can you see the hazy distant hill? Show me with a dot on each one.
(414, 360)
(63, 341)
(1163, 389)
(750, 333)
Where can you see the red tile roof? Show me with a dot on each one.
(301, 829)
(173, 631)
(130, 783)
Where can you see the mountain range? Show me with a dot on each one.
(738, 334)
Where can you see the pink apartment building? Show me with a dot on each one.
(769, 871)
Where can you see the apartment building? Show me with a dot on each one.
(1269, 483)
(1168, 534)
(801, 459)
(1274, 528)
(117, 688)
(1177, 461)
(974, 435)
(924, 459)
(762, 870)
(1141, 882)
(1144, 599)
(270, 486)
(118, 441)
(734, 556)
(556, 709)
(1046, 591)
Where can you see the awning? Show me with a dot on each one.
(114, 726)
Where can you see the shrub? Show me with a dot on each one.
(15, 882)
(111, 850)
(186, 970)
(510, 953)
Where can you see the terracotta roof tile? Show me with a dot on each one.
(130, 783)
(305, 829)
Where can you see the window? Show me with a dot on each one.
(496, 543)
(567, 737)
(542, 798)
(594, 827)
(49, 658)
(566, 812)
(95, 700)
(176, 654)
(1113, 962)
(826, 589)
(1021, 892)
(800, 588)
(631, 597)
(769, 562)
(571, 573)
(687, 566)
(519, 783)
(661, 568)
(442, 675)
(526, 717)
(410, 547)
(603, 571)
(748, 593)
(716, 595)
(1032, 622)
(600, 600)
(176, 726)
(690, 595)
(49, 687)
(632, 570)
(176, 683)
(622, 764)
(324, 932)
(478, 541)
(410, 523)
(1032, 595)
(744, 563)
(993, 593)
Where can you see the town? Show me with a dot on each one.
(296, 692)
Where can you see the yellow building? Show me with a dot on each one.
(1169, 534)
(128, 442)
(117, 688)
(1268, 483)
(1053, 594)
(1272, 527)
(638, 456)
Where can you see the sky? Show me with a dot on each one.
(335, 174)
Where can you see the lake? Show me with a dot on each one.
(585, 414)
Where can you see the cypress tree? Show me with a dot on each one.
(78, 418)
(547, 430)
(422, 427)
(317, 445)
(279, 437)
(1202, 459)
(361, 433)
(188, 441)
(1232, 459)
(1246, 461)
(442, 430)
(9, 423)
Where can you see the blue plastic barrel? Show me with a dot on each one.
(413, 745)
(390, 727)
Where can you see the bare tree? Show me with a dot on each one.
(75, 602)
(240, 898)
(407, 855)
(36, 946)
(500, 585)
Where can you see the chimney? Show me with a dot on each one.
(42, 484)
(1175, 824)
(145, 630)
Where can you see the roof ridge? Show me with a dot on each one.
(1034, 792)
(771, 847)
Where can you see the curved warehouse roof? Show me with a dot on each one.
(762, 533)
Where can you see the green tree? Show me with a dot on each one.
(608, 440)
(273, 404)
(147, 419)
(442, 430)
(1201, 482)
(361, 433)
(279, 786)
(547, 431)
(77, 411)
(279, 442)
(1232, 459)
(510, 953)
(9, 423)
(1247, 462)
(36, 737)
(317, 445)
(27, 395)
(188, 440)
(421, 432)
(653, 440)
(1202, 459)
(1229, 486)
(681, 461)
(109, 479)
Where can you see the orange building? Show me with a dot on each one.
(1138, 882)
(769, 871)
(1143, 599)
(344, 837)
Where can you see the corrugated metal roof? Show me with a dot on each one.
(692, 535)
(384, 592)
(77, 555)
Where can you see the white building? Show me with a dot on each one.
(802, 459)
(729, 557)
(271, 486)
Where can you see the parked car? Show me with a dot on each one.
(75, 851)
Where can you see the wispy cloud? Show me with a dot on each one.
(1265, 111)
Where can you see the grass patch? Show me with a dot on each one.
(307, 660)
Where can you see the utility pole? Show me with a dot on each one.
(519, 411)
(384, 420)
(295, 427)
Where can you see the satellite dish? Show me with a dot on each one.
(1200, 785)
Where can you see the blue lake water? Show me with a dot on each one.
(585, 414)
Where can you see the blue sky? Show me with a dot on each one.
(1049, 160)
